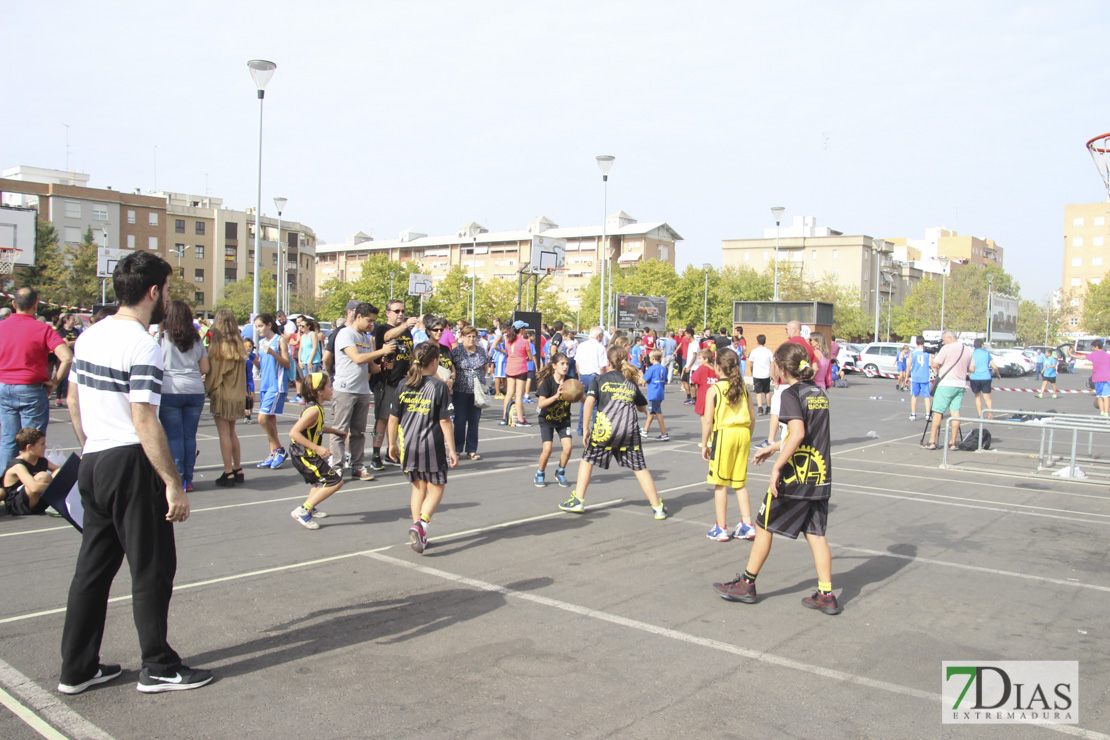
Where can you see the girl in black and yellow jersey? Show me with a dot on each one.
(307, 452)
(726, 438)
(554, 417)
(419, 424)
(615, 432)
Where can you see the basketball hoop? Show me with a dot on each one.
(1099, 147)
(8, 256)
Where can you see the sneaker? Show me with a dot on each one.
(500, 395)
(539, 481)
(503, 423)
(763, 444)
(390, 461)
(362, 474)
(1053, 395)
(744, 532)
(188, 488)
(643, 431)
(268, 462)
(574, 505)
(824, 602)
(304, 516)
(317, 514)
(184, 678)
(377, 464)
(528, 400)
(106, 672)
(561, 477)
(523, 423)
(298, 400)
(1039, 395)
(736, 590)
(664, 438)
(418, 538)
(913, 417)
(59, 403)
(718, 533)
(660, 510)
(279, 458)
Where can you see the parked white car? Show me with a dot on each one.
(879, 357)
(1017, 357)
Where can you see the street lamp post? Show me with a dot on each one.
(604, 163)
(473, 277)
(261, 72)
(943, 287)
(282, 296)
(990, 285)
(776, 213)
(878, 243)
(705, 305)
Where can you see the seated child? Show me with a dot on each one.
(28, 475)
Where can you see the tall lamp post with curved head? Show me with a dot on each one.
(282, 275)
(261, 72)
(604, 163)
(776, 213)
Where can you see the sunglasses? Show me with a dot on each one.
(436, 328)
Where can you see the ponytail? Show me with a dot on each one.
(423, 355)
(618, 360)
(549, 369)
(793, 360)
(728, 367)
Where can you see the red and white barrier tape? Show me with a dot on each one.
(49, 303)
(1011, 390)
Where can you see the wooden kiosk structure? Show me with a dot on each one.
(770, 318)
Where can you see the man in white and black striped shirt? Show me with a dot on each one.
(130, 488)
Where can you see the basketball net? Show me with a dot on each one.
(1099, 147)
(8, 256)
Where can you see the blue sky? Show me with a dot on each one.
(879, 118)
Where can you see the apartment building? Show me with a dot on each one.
(209, 245)
(942, 246)
(502, 254)
(862, 263)
(1086, 254)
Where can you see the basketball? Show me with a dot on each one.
(572, 390)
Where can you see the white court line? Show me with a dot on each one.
(49, 706)
(29, 718)
(979, 503)
(210, 581)
(930, 561)
(724, 647)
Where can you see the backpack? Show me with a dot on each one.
(972, 441)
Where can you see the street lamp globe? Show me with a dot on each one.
(776, 213)
(261, 72)
(279, 203)
(605, 163)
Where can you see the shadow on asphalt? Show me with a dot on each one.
(387, 621)
(873, 569)
(564, 523)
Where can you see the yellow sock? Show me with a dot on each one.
(425, 518)
(306, 507)
(825, 588)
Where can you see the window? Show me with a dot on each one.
(231, 230)
(250, 256)
(1075, 302)
(179, 250)
(152, 218)
(813, 254)
(1076, 282)
(834, 254)
(835, 273)
(198, 298)
(152, 243)
(1076, 261)
(1096, 281)
(1100, 220)
(130, 217)
(746, 256)
(100, 213)
(1077, 222)
(179, 226)
(1077, 241)
(130, 241)
(766, 255)
(181, 272)
(200, 228)
(1096, 261)
(229, 275)
(73, 234)
(198, 250)
(665, 254)
(1096, 241)
(73, 209)
(198, 275)
(275, 257)
(1073, 321)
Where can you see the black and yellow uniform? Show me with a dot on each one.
(616, 430)
(396, 365)
(554, 419)
(445, 360)
(419, 436)
(805, 483)
(16, 497)
(315, 469)
(731, 439)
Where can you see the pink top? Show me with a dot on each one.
(824, 372)
(1100, 365)
(25, 344)
(518, 357)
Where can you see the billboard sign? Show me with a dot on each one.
(1004, 314)
(639, 312)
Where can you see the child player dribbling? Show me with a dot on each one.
(308, 454)
(726, 437)
(554, 413)
(615, 432)
(801, 481)
(419, 422)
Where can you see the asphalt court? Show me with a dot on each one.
(523, 621)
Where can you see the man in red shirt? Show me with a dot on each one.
(794, 336)
(25, 384)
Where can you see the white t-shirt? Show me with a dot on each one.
(692, 355)
(351, 377)
(776, 405)
(591, 357)
(761, 358)
(116, 363)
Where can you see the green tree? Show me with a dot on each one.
(239, 296)
(451, 298)
(69, 275)
(47, 255)
(379, 279)
(964, 299)
(1096, 307)
(1035, 320)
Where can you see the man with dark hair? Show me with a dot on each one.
(25, 382)
(398, 330)
(130, 488)
(355, 361)
(329, 347)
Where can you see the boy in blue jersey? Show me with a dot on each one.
(656, 380)
(919, 380)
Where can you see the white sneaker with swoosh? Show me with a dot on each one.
(183, 678)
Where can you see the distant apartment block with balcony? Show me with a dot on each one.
(1086, 255)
